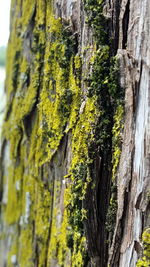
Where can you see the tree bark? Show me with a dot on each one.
(75, 155)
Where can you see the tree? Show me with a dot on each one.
(75, 147)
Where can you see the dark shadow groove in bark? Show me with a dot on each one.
(125, 24)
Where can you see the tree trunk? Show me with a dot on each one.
(75, 154)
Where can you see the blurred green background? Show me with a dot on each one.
(2, 56)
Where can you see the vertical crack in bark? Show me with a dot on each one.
(115, 24)
(125, 24)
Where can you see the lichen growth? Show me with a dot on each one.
(104, 84)
(145, 261)
(117, 134)
(48, 99)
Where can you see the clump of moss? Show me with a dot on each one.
(104, 84)
(96, 20)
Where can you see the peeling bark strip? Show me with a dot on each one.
(75, 157)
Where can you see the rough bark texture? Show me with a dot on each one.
(134, 169)
(75, 155)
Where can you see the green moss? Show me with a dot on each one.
(104, 84)
(96, 20)
(117, 98)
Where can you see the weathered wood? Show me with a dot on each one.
(75, 163)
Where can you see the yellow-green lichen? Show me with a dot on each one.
(76, 189)
(45, 103)
(145, 261)
(13, 253)
(117, 139)
(25, 245)
(14, 196)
